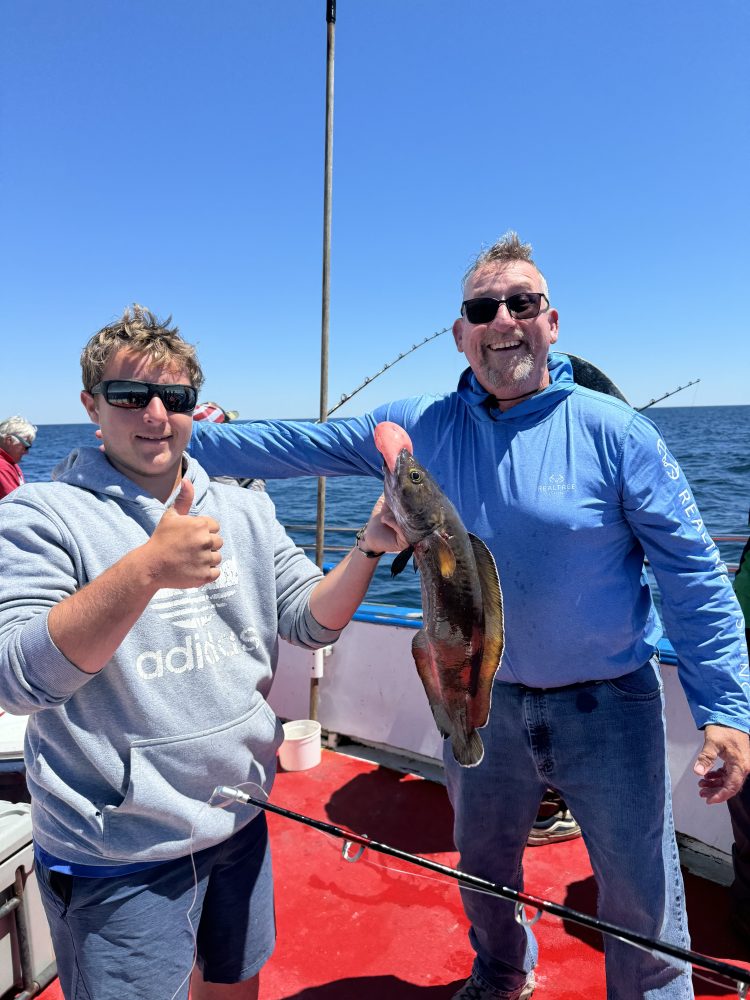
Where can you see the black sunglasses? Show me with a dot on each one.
(522, 305)
(131, 395)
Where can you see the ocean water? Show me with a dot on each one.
(712, 443)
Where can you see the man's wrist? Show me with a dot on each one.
(361, 546)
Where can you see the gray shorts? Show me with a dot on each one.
(129, 936)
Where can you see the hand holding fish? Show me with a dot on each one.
(381, 533)
(340, 592)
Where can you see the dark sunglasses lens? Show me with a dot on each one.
(137, 395)
(178, 398)
(481, 310)
(128, 395)
(524, 305)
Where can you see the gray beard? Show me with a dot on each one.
(513, 377)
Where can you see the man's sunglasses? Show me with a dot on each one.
(522, 305)
(131, 395)
(23, 441)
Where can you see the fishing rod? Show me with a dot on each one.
(414, 347)
(666, 395)
(733, 972)
(386, 366)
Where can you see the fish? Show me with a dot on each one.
(458, 650)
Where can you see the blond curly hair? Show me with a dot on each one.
(138, 329)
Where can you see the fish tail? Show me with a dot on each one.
(468, 752)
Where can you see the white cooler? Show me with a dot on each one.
(27, 961)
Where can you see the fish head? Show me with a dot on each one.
(416, 500)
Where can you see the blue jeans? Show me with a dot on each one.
(739, 813)
(602, 746)
(129, 936)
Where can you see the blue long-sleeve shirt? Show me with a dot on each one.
(569, 489)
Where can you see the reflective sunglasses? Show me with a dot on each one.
(23, 441)
(522, 305)
(130, 395)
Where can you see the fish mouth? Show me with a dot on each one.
(392, 463)
(392, 474)
(404, 456)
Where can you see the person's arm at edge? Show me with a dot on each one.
(725, 737)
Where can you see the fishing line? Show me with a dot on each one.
(227, 800)
(732, 972)
(666, 395)
(742, 988)
(389, 364)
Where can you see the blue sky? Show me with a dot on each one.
(171, 153)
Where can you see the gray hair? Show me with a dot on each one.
(505, 250)
(17, 425)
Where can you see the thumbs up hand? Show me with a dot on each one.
(184, 499)
(183, 551)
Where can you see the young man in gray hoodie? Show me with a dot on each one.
(140, 610)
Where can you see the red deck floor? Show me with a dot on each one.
(382, 929)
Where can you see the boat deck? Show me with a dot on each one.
(382, 929)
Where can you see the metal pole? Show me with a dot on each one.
(325, 311)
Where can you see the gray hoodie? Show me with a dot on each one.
(121, 763)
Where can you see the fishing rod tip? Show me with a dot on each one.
(229, 794)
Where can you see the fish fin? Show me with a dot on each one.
(442, 720)
(401, 561)
(493, 630)
(470, 752)
(420, 650)
(446, 556)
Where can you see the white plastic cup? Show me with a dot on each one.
(301, 747)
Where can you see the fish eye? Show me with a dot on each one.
(415, 476)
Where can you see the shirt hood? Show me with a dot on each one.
(89, 469)
(482, 404)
